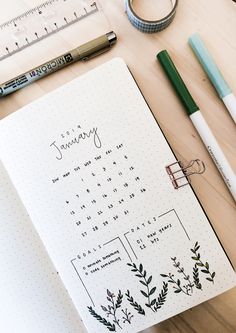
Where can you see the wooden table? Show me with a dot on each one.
(215, 20)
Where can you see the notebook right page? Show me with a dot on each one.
(88, 161)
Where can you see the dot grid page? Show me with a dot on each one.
(88, 161)
(33, 298)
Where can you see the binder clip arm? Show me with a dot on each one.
(179, 174)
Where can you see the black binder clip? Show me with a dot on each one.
(179, 173)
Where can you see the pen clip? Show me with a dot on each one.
(93, 55)
(96, 46)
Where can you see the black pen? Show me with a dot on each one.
(83, 52)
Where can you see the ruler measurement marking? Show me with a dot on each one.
(48, 33)
(36, 10)
(27, 13)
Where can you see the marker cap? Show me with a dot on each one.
(209, 65)
(177, 82)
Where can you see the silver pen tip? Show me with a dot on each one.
(112, 38)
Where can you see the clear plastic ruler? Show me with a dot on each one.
(41, 22)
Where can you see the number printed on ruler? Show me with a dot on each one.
(106, 185)
(42, 21)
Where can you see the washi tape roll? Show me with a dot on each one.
(146, 25)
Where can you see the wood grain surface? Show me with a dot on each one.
(215, 20)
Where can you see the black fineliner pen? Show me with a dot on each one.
(83, 52)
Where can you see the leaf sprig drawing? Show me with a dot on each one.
(115, 304)
(199, 263)
(145, 281)
(127, 316)
(134, 304)
(115, 309)
(161, 297)
(188, 286)
(196, 277)
(119, 300)
(111, 327)
(176, 284)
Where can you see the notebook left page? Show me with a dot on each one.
(33, 298)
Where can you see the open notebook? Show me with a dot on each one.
(87, 164)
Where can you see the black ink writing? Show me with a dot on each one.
(59, 149)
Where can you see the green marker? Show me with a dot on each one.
(198, 121)
(214, 74)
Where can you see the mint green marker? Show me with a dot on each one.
(214, 74)
(198, 121)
